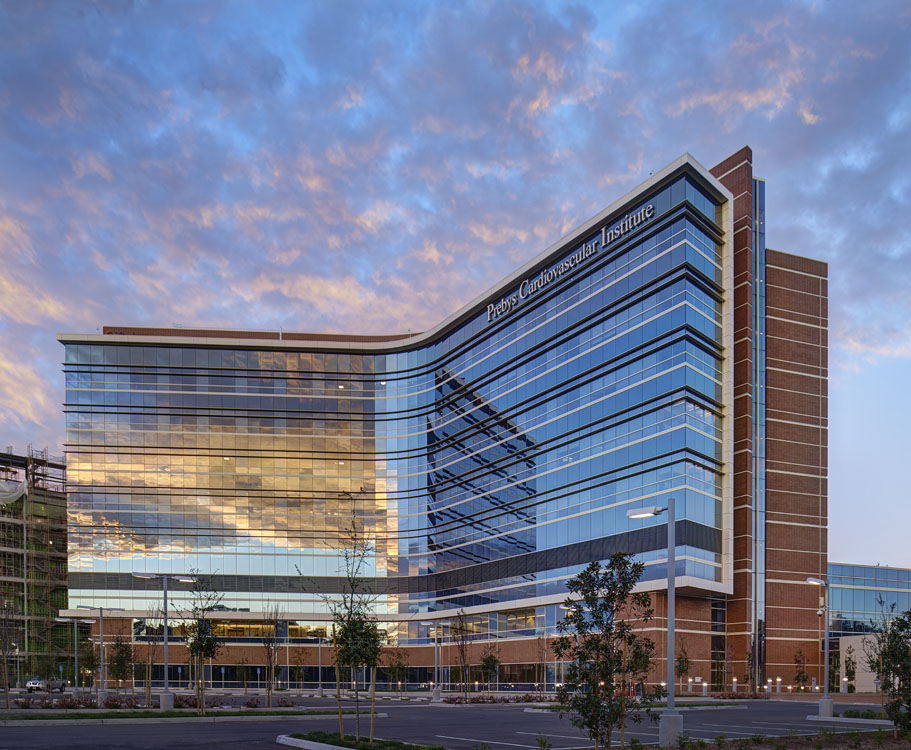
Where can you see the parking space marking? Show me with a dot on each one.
(561, 736)
(814, 725)
(489, 742)
(750, 730)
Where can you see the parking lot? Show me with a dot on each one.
(456, 727)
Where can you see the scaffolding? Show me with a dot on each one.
(33, 554)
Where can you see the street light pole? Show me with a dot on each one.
(670, 726)
(75, 622)
(319, 668)
(165, 693)
(166, 699)
(104, 673)
(825, 703)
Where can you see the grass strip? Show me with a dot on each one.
(854, 713)
(332, 738)
(156, 714)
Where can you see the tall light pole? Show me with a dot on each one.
(104, 670)
(670, 726)
(166, 699)
(825, 703)
(75, 622)
(319, 667)
(435, 693)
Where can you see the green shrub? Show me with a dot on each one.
(867, 713)
(332, 738)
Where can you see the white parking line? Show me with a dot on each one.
(813, 725)
(487, 742)
(615, 743)
(561, 736)
(745, 729)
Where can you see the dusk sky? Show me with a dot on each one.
(372, 167)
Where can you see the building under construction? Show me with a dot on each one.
(33, 555)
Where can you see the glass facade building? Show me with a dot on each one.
(486, 460)
(865, 597)
(658, 349)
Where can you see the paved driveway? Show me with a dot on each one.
(455, 727)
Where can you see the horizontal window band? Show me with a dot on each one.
(650, 539)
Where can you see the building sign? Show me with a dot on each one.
(531, 286)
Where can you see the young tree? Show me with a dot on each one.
(199, 635)
(896, 671)
(120, 660)
(271, 621)
(682, 666)
(359, 646)
(599, 642)
(148, 627)
(358, 641)
(801, 678)
(397, 667)
(875, 644)
(88, 662)
(540, 665)
(460, 632)
(243, 671)
(490, 664)
(43, 665)
(750, 672)
(834, 670)
(850, 668)
(300, 667)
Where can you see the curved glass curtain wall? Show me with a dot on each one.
(485, 467)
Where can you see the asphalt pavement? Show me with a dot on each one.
(456, 727)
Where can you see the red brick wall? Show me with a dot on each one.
(736, 174)
(796, 459)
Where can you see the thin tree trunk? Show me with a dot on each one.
(338, 689)
(201, 676)
(372, 702)
(6, 678)
(357, 711)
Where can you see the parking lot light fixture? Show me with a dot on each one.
(825, 703)
(166, 701)
(104, 672)
(670, 726)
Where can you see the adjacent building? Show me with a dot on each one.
(33, 557)
(659, 349)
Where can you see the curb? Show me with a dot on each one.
(655, 709)
(845, 720)
(172, 720)
(284, 739)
